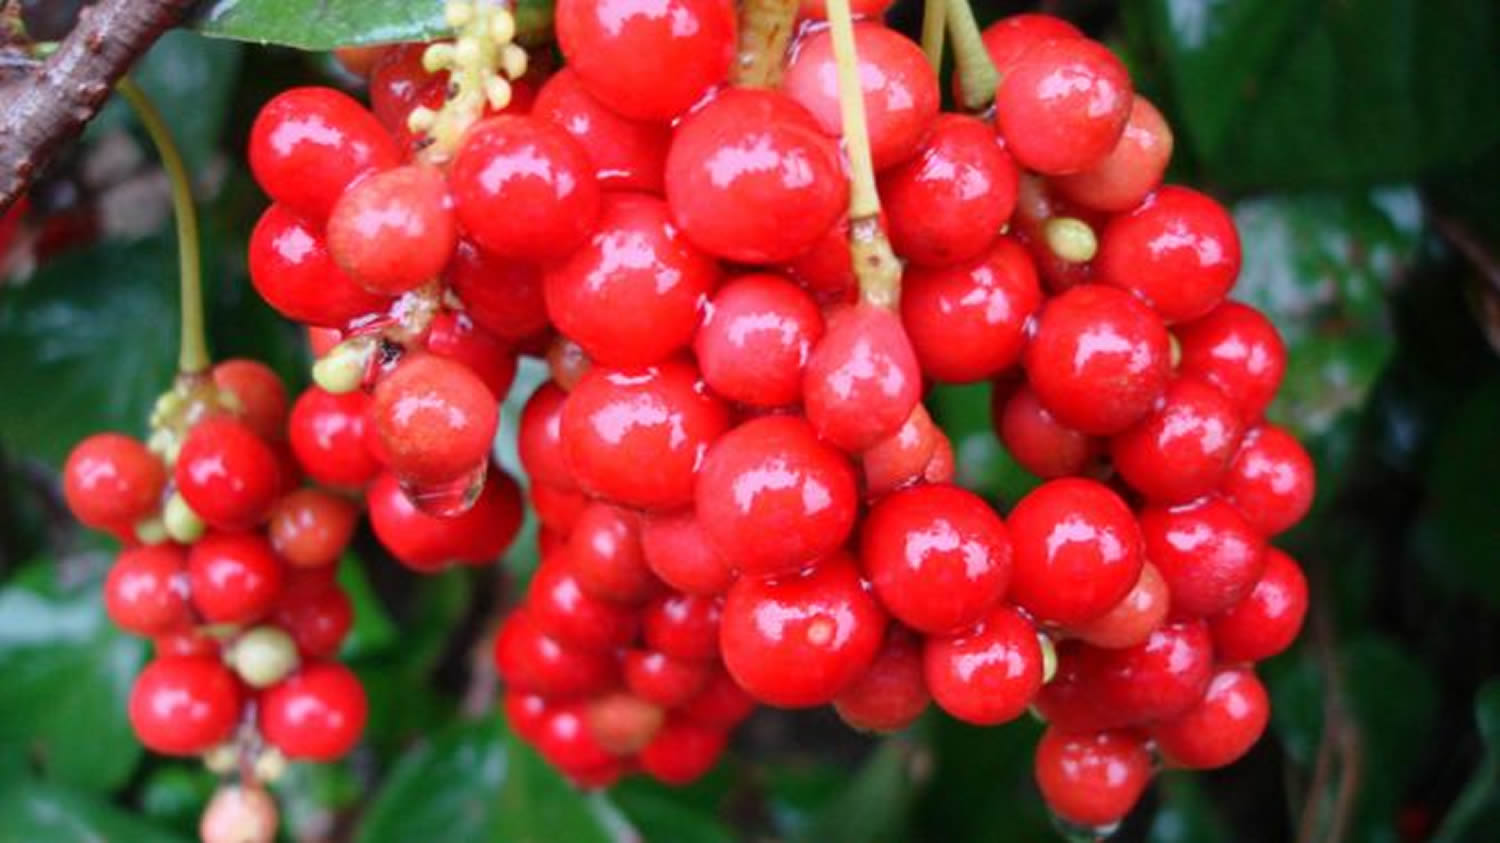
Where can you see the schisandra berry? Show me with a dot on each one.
(604, 555)
(316, 714)
(1092, 779)
(892, 692)
(1155, 680)
(1236, 348)
(627, 154)
(623, 723)
(435, 419)
(1222, 727)
(560, 607)
(859, 9)
(1181, 450)
(1207, 552)
(1130, 621)
(236, 577)
(452, 334)
(539, 440)
(310, 527)
(1007, 39)
(227, 474)
(238, 814)
(757, 334)
(331, 436)
(1134, 168)
(394, 231)
(503, 296)
(110, 481)
(967, 322)
(862, 379)
(723, 704)
(1062, 105)
(260, 394)
(309, 144)
(1077, 551)
(684, 626)
(428, 542)
(317, 616)
(678, 550)
(1271, 480)
(1265, 621)
(184, 705)
(1040, 443)
(903, 457)
(529, 659)
(146, 592)
(1179, 250)
(682, 752)
(988, 673)
(663, 679)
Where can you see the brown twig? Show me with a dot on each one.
(1340, 749)
(765, 30)
(53, 103)
(1475, 251)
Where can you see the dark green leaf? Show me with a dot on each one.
(1186, 815)
(174, 795)
(326, 24)
(40, 813)
(373, 631)
(661, 812)
(1460, 523)
(982, 790)
(1476, 813)
(874, 806)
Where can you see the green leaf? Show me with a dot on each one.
(373, 631)
(174, 795)
(35, 812)
(1186, 815)
(326, 24)
(1459, 526)
(68, 674)
(1476, 812)
(982, 789)
(660, 812)
(875, 805)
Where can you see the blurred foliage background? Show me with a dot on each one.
(1359, 144)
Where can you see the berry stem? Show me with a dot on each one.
(977, 77)
(192, 354)
(481, 61)
(934, 24)
(765, 30)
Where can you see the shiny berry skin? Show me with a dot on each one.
(1271, 480)
(566, 740)
(329, 434)
(309, 144)
(683, 626)
(1207, 552)
(752, 179)
(722, 703)
(938, 557)
(859, 9)
(310, 527)
(1036, 440)
(639, 438)
(1130, 621)
(110, 481)
(623, 723)
(1155, 680)
(773, 498)
(901, 458)
(604, 554)
(862, 380)
(260, 394)
(525, 713)
(146, 592)
(826, 269)
(757, 334)
(236, 577)
(560, 607)
(1092, 779)
(317, 617)
(968, 322)
(1007, 39)
(1179, 250)
(799, 640)
(899, 86)
(1077, 551)
(680, 553)
(529, 659)
(398, 84)
(556, 508)
(502, 296)
(394, 231)
(184, 705)
(986, 674)
(627, 154)
(227, 474)
(1222, 727)
(633, 293)
(524, 189)
(540, 438)
(1266, 621)
(1099, 359)
(1134, 168)
(648, 60)
(1181, 450)
(426, 542)
(1063, 105)
(665, 680)
(317, 714)
(1072, 700)
(946, 204)
(892, 692)
(452, 334)
(1237, 349)
(682, 752)
(435, 419)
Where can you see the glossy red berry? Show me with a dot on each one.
(1156, 680)
(683, 626)
(1236, 348)
(627, 154)
(682, 752)
(539, 440)
(946, 204)
(1040, 443)
(1181, 449)
(529, 659)
(892, 692)
(664, 680)
(525, 713)
(680, 553)
(774, 498)
(318, 617)
(623, 723)
(1207, 552)
(901, 458)
(937, 556)
(309, 144)
(428, 542)
(310, 527)
(757, 334)
(560, 607)
(317, 714)
(146, 592)
(800, 640)
(639, 438)
(524, 188)
(988, 673)
(227, 474)
(648, 60)
(968, 322)
(752, 179)
(110, 481)
(330, 436)
(502, 296)
(566, 739)
(394, 231)
(556, 508)
(1077, 551)
(722, 703)
(1271, 480)
(260, 394)
(1092, 779)
(863, 378)
(1099, 359)
(899, 86)
(398, 84)
(604, 554)
(236, 577)
(1007, 39)
(435, 419)
(1266, 621)
(184, 705)
(452, 334)
(1130, 621)
(1222, 727)
(633, 293)
(859, 9)
(1062, 105)
(1131, 170)
(1179, 250)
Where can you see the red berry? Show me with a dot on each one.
(756, 336)
(525, 713)
(1062, 106)
(1099, 359)
(188, 641)
(524, 188)
(679, 552)
(394, 231)
(1120, 180)
(1078, 551)
(110, 481)
(988, 673)
(682, 752)
(683, 626)
(227, 474)
(638, 438)
(147, 590)
(330, 434)
(946, 204)
(428, 542)
(648, 60)
(942, 467)
(452, 334)
(665, 680)
(899, 86)
(633, 293)
(1036, 440)
(892, 692)
(1267, 620)
(826, 269)
(559, 606)
(968, 322)
(1206, 551)
(722, 704)
(859, 9)
(937, 556)
(236, 577)
(260, 393)
(503, 296)
(901, 458)
(1178, 250)
(317, 714)
(752, 179)
(863, 379)
(1181, 450)
(556, 508)
(1007, 39)
(800, 640)
(1131, 620)
(1156, 680)
(310, 527)
(1072, 699)
(1237, 349)
(1222, 727)
(309, 144)
(627, 154)
(1092, 779)
(566, 740)
(184, 705)
(604, 554)
(1036, 207)
(529, 659)
(1271, 480)
(435, 418)
(774, 498)
(318, 617)
(539, 440)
